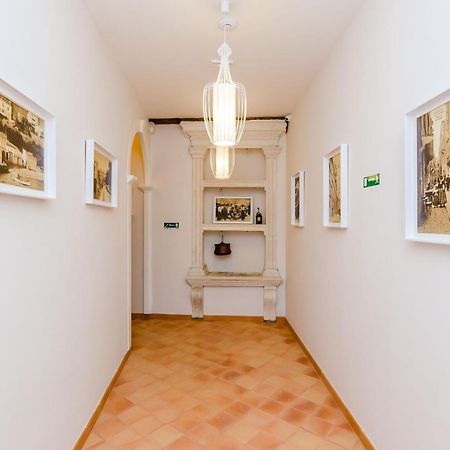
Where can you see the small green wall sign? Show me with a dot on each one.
(170, 225)
(371, 180)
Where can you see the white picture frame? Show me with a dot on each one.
(425, 195)
(27, 169)
(335, 188)
(101, 176)
(298, 199)
(233, 209)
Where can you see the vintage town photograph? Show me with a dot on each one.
(233, 209)
(334, 188)
(102, 177)
(21, 146)
(433, 171)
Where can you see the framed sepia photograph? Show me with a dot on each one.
(233, 209)
(428, 171)
(298, 199)
(27, 146)
(335, 188)
(101, 176)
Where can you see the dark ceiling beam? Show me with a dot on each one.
(176, 121)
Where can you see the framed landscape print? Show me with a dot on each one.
(298, 199)
(101, 176)
(335, 188)
(428, 171)
(27, 146)
(233, 209)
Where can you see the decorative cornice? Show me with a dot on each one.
(271, 152)
(257, 133)
(198, 152)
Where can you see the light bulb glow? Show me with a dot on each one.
(224, 114)
(222, 162)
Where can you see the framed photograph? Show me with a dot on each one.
(27, 146)
(101, 176)
(428, 171)
(298, 199)
(233, 209)
(335, 188)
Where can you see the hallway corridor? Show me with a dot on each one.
(219, 384)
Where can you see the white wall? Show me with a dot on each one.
(171, 175)
(63, 265)
(372, 307)
(171, 202)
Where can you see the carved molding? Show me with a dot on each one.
(270, 304)
(213, 280)
(197, 302)
(257, 133)
(271, 152)
(198, 152)
(261, 134)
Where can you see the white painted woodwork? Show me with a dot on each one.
(234, 227)
(148, 298)
(234, 184)
(264, 135)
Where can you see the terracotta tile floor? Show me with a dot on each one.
(219, 385)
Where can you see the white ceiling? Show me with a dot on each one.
(165, 48)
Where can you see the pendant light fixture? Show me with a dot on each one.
(224, 107)
(222, 162)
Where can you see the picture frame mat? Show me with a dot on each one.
(49, 191)
(301, 176)
(91, 148)
(343, 151)
(411, 173)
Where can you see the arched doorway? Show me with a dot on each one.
(139, 271)
(137, 170)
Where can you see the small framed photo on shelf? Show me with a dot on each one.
(298, 199)
(335, 188)
(101, 176)
(233, 209)
(27, 146)
(428, 171)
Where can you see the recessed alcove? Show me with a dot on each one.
(253, 261)
(247, 252)
(249, 166)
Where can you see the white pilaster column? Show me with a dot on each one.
(148, 284)
(130, 180)
(271, 155)
(198, 156)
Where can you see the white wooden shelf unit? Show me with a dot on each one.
(248, 227)
(229, 184)
(258, 134)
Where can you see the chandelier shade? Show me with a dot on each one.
(222, 162)
(224, 105)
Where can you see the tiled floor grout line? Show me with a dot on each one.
(219, 385)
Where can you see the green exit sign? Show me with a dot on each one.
(170, 225)
(372, 180)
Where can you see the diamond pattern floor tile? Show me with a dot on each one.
(219, 384)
